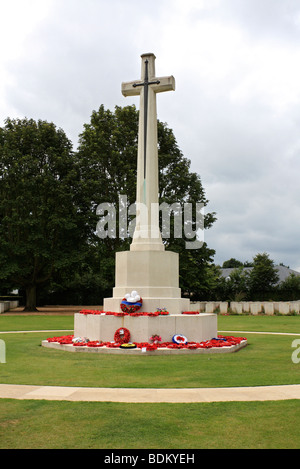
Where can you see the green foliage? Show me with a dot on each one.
(237, 286)
(257, 280)
(40, 230)
(199, 277)
(289, 289)
(232, 263)
(263, 277)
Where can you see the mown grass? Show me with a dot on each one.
(85, 425)
(260, 323)
(20, 322)
(82, 425)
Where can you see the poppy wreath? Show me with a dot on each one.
(122, 336)
(130, 308)
(127, 346)
(190, 312)
(179, 339)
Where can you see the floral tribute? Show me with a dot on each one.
(122, 314)
(190, 312)
(128, 346)
(80, 340)
(220, 341)
(155, 338)
(179, 339)
(129, 308)
(131, 303)
(122, 336)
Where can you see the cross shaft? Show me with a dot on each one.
(146, 84)
(147, 233)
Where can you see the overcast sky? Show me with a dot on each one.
(235, 112)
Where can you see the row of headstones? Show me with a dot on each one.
(7, 305)
(248, 307)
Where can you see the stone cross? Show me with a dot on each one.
(147, 235)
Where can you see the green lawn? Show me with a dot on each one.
(289, 324)
(36, 322)
(45, 424)
(86, 425)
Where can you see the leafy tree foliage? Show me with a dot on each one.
(259, 281)
(237, 285)
(40, 230)
(289, 289)
(232, 263)
(263, 277)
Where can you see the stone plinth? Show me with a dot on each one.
(172, 305)
(154, 275)
(151, 273)
(196, 328)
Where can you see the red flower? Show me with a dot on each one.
(131, 308)
(151, 347)
(129, 311)
(180, 339)
(122, 335)
(113, 344)
(94, 343)
(190, 312)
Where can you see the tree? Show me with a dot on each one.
(199, 277)
(41, 227)
(289, 289)
(237, 286)
(232, 263)
(263, 277)
(107, 155)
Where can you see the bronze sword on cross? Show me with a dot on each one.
(147, 159)
(134, 89)
(146, 84)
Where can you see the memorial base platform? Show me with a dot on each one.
(102, 327)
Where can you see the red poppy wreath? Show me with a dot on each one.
(122, 336)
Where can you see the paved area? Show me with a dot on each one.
(257, 393)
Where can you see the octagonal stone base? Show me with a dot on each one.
(196, 328)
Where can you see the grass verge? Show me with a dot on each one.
(229, 425)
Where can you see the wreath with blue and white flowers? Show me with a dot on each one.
(179, 339)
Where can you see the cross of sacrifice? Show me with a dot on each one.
(147, 163)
